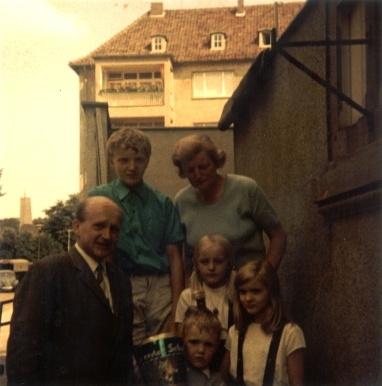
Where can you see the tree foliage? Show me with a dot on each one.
(11, 222)
(52, 238)
(39, 220)
(59, 219)
(8, 241)
(37, 247)
(27, 246)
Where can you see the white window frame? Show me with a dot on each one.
(137, 123)
(217, 41)
(353, 62)
(201, 82)
(158, 44)
(123, 79)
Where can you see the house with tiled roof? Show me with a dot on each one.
(178, 67)
(170, 73)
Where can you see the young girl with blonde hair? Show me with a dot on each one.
(263, 348)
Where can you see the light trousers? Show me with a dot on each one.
(152, 305)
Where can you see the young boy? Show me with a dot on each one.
(148, 246)
(201, 335)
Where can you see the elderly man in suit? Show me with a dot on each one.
(73, 313)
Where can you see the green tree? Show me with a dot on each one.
(39, 220)
(48, 246)
(27, 246)
(11, 222)
(34, 247)
(59, 219)
(52, 238)
(8, 241)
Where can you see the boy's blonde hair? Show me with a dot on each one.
(260, 270)
(126, 139)
(203, 319)
(196, 280)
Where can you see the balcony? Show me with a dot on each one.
(126, 97)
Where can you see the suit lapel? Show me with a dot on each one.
(87, 277)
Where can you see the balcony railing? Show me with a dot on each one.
(131, 98)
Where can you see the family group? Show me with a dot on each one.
(144, 265)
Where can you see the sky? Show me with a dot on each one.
(39, 92)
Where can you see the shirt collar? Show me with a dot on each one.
(207, 372)
(89, 260)
(123, 190)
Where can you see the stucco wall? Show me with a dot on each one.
(86, 91)
(345, 330)
(331, 273)
(188, 110)
(161, 173)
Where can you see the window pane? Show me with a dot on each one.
(264, 39)
(198, 85)
(228, 83)
(145, 75)
(158, 44)
(131, 75)
(218, 41)
(214, 84)
(115, 75)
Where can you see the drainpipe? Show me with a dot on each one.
(276, 20)
(328, 81)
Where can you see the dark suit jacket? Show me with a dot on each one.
(63, 330)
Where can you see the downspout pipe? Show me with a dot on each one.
(276, 18)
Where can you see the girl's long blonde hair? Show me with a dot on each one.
(261, 270)
(196, 281)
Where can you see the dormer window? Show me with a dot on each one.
(265, 38)
(218, 41)
(158, 43)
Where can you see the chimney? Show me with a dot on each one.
(240, 8)
(156, 9)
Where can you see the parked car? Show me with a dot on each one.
(19, 266)
(8, 280)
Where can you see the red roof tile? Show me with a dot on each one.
(188, 33)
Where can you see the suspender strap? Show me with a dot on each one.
(239, 367)
(269, 372)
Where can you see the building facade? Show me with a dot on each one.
(176, 68)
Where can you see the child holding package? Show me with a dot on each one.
(212, 280)
(201, 333)
(263, 348)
